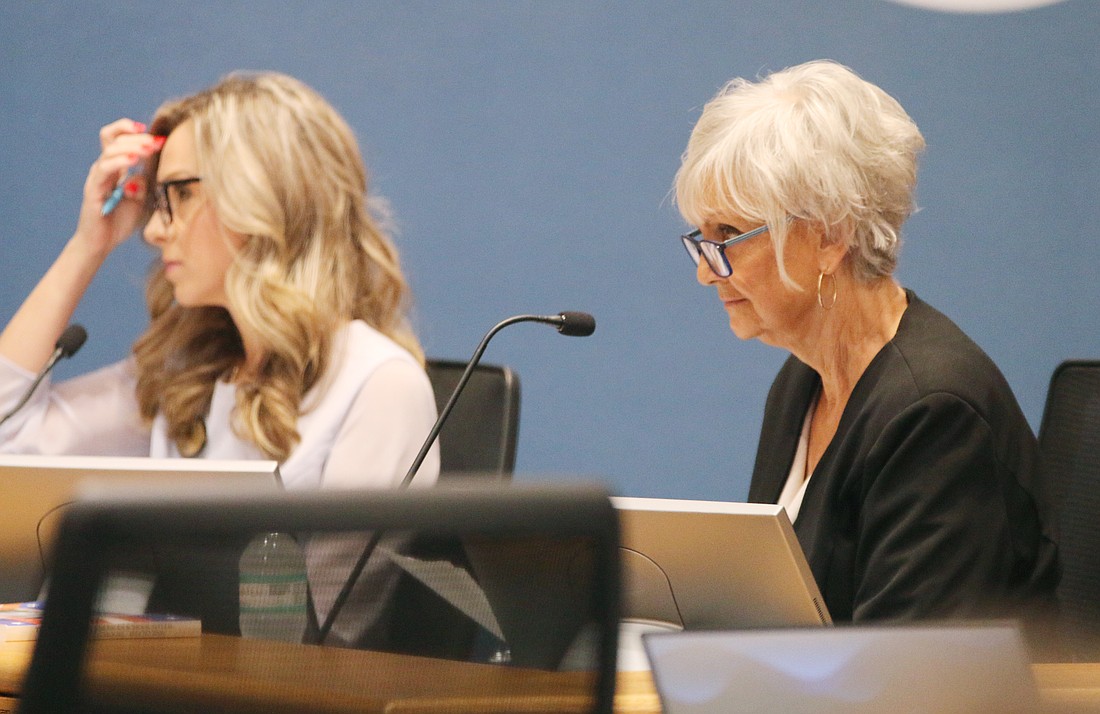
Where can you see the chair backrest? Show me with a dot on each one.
(478, 440)
(1069, 442)
(544, 580)
(481, 434)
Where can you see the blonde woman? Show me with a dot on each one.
(277, 305)
(892, 440)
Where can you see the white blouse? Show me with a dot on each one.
(360, 427)
(794, 490)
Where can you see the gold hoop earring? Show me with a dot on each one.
(832, 303)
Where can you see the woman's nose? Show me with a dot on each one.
(155, 231)
(704, 274)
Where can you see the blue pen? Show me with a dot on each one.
(116, 196)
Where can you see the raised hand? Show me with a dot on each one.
(125, 146)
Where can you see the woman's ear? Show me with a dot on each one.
(833, 247)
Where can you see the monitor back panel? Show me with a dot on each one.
(715, 565)
(35, 490)
(971, 667)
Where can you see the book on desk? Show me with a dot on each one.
(19, 622)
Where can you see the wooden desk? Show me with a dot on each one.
(222, 673)
(1068, 687)
(231, 674)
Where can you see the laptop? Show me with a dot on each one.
(36, 489)
(973, 667)
(705, 565)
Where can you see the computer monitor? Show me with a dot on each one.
(36, 489)
(561, 590)
(703, 565)
(937, 667)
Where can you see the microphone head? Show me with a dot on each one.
(576, 324)
(71, 340)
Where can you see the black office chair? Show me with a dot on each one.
(481, 434)
(556, 607)
(1069, 443)
(477, 442)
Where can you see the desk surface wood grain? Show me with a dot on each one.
(231, 674)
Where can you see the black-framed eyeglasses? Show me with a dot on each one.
(713, 251)
(169, 193)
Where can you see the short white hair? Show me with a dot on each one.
(813, 142)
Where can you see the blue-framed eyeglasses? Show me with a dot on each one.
(713, 251)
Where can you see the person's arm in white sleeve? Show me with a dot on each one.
(95, 414)
(384, 430)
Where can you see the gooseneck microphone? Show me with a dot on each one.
(71, 340)
(573, 324)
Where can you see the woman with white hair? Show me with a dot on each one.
(894, 443)
(277, 309)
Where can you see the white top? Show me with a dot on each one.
(361, 427)
(795, 488)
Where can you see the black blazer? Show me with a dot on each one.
(923, 504)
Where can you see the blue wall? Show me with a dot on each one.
(527, 149)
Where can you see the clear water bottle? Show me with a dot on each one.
(273, 588)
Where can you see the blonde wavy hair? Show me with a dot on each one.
(283, 169)
(813, 142)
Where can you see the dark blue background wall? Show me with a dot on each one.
(527, 149)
